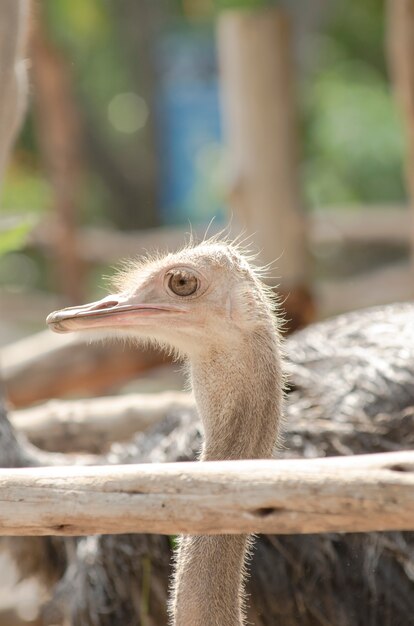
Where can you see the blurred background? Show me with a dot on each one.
(150, 118)
(290, 121)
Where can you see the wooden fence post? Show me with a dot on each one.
(400, 47)
(257, 76)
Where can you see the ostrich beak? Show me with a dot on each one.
(111, 312)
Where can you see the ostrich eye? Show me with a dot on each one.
(183, 283)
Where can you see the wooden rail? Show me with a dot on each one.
(46, 365)
(92, 424)
(351, 494)
(326, 226)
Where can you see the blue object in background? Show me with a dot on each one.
(188, 119)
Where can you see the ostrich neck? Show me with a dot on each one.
(238, 394)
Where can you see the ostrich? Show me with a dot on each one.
(208, 304)
(351, 391)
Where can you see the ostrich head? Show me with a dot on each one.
(188, 301)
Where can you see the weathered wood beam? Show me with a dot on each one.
(366, 224)
(392, 283)
(349, 494)
(45, 365)
(92, 424)
(326, 227)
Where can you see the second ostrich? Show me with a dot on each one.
(209, 305)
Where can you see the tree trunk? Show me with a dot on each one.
(58, 129)
(13, 82)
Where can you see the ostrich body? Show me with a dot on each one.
(209, 305)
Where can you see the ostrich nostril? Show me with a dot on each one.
(109, 304)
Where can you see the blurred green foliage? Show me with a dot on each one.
(13, 232)
(88, 36)
(353, 138)
(242, 4)
(357, 30)
(84, 25)
(26, 190)
(352, 141)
